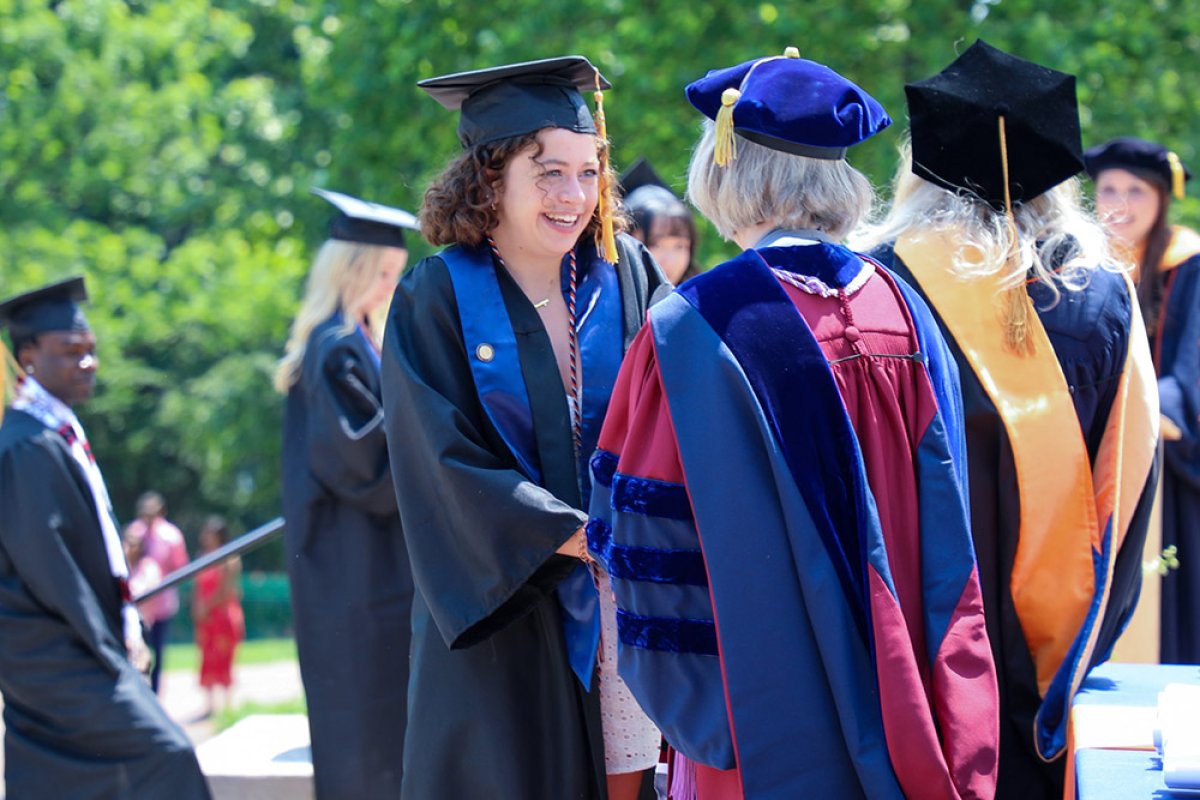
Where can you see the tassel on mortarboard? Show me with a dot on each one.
(1178, 176)
(607, 244)
(1017, 308)
(725, 146)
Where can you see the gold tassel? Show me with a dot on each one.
(1177, 175)
(1016, 306)
(608, 239)
(10, 370)
(725, 147)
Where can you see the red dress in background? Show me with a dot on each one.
(219, 631)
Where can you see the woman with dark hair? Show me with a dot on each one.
(499, 359)
(1135, 181)
(661, 221)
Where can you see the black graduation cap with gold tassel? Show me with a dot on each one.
(1144, 159)
(515, 99)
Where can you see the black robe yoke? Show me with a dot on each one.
(495, 710)
(1089, 331)
(351, 583)
(80, 722)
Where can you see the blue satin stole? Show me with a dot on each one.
(500, 384)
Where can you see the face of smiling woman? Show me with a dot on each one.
(1127, 205)
(546, 200)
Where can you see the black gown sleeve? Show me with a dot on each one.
(39, 521)
(344, 426)
(481, 536)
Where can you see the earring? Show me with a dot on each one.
(29, 369)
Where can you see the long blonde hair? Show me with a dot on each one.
(1058, 242)
(342, 275)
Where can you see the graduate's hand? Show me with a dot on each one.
(1170, 431)
(139, 655)
(576, 546)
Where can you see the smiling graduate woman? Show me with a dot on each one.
(1135, 181)
(499, 359)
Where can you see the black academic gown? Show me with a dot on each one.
(495, 710)
(350, 578)
(1176, 347)
(80, 721)
(1089, 332)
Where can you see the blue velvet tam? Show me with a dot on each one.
(790, 104)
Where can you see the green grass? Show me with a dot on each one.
(257, 651)
(229, 716)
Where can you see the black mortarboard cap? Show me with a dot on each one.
(954, 117)
(642, 186)
(1141, 156)
(365, 222)
(516, 99)
(50, 308)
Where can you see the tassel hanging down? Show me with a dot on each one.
(725, 146)
(1017, 308)
(1177, 175)
(607, 244)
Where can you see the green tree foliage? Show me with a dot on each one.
(165, 149)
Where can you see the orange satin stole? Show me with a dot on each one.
(1065, 501)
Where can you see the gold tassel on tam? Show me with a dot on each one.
(1017, 307)
(607, 245)
(1177, 175)
(725, 146)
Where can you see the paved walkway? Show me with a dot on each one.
(184, 700)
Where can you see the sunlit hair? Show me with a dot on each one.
(765, 185)
(1058, 240)
(460, 205)
(342, 277)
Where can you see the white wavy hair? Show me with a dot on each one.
(765, 185)
(1059, 241)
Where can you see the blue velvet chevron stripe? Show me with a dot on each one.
(690, 636)
(651, 564)
(632, 495)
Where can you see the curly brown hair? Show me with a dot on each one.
(459, 206)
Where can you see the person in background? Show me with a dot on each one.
(986, 223)
(779, 490)
(217, 615)
(164, 543)
(661, 221)
(346, 558)
(1135, 181)
(79, 718)
(144, 572)
(500, 356)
